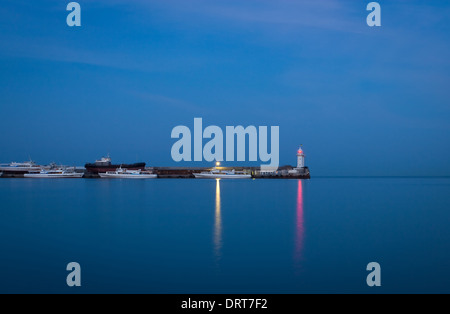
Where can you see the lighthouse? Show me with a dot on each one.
(300, 158)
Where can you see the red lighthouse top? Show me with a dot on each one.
(300, 151)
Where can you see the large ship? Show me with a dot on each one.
(105, 165)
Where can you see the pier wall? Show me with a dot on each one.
(285, 172)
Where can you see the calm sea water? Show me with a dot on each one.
(242, 236)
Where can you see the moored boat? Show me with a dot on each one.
(19, 167)
(105, 165)
(54, 173)
(222, 174)
(121, 173)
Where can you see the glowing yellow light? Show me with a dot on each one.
(218, 223)
(217, 164)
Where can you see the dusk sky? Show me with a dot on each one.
(362, 100)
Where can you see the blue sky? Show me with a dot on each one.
(362, 101)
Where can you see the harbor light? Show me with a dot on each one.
(217, 164)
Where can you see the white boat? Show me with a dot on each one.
(54, 173)
(20, 167)
(222, 174)
(127, 174)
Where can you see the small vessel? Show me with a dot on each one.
(105, 165)
(222, 174)
(121, 173)
(53, 173)
(19, 167)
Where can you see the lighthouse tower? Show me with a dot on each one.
(300, 158)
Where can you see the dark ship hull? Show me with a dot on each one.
(96, 169)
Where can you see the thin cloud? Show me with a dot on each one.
(282, 14)
(165, 101)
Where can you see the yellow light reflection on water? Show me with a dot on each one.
(218, 223)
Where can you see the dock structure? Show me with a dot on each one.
(104, 165)
(286, 172)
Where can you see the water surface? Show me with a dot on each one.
(235, 236)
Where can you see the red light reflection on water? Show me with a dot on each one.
(300, 225)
